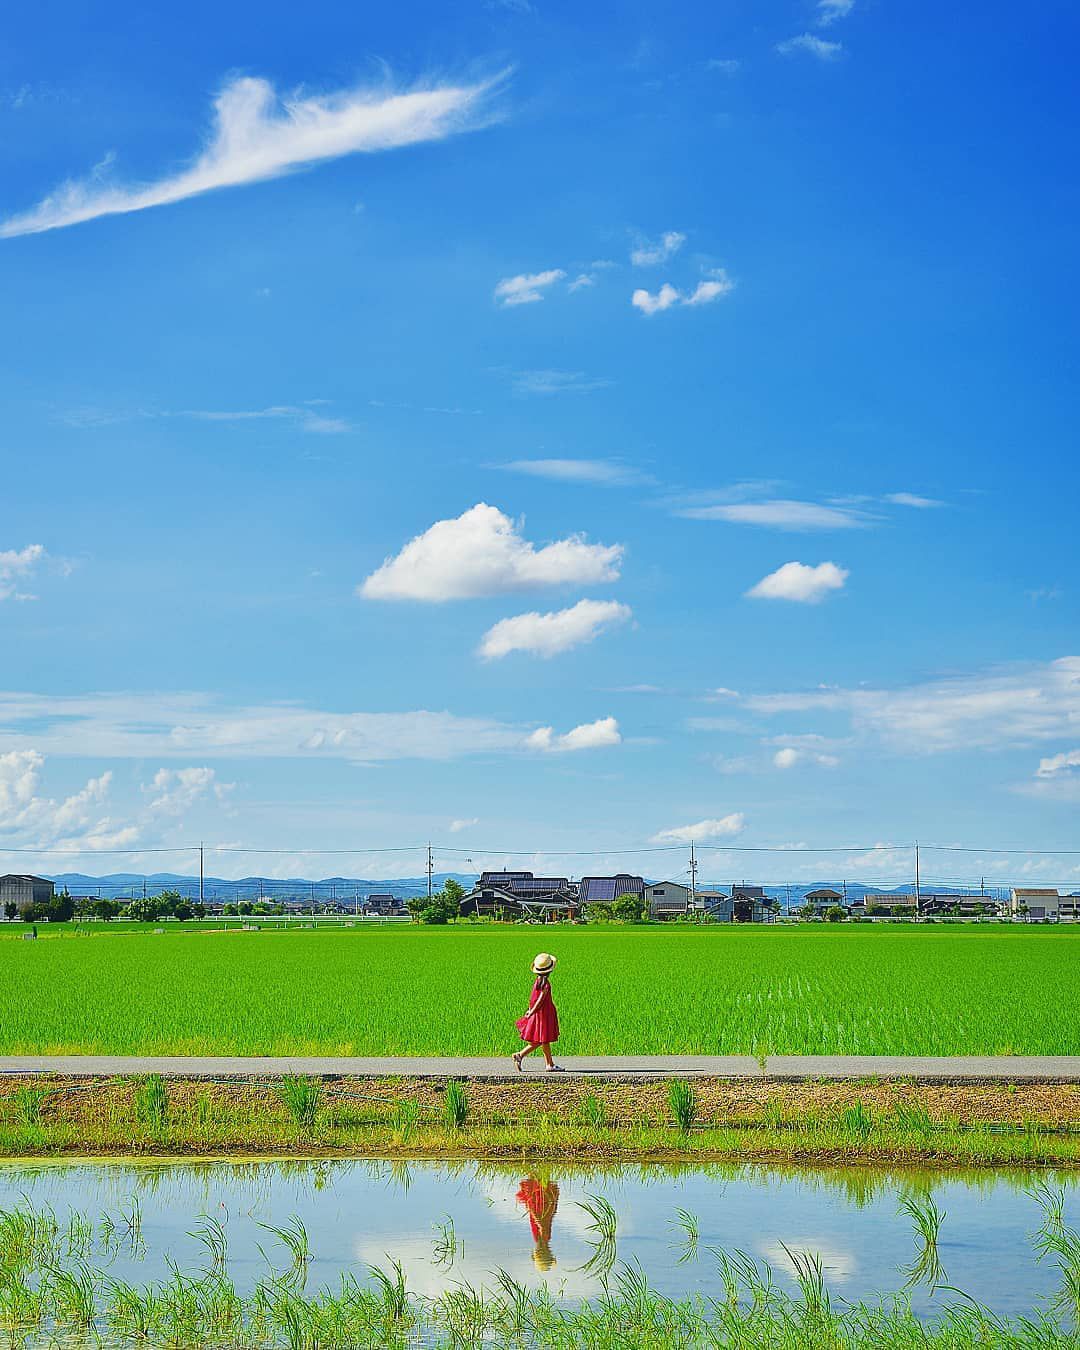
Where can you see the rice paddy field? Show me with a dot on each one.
(888, 989)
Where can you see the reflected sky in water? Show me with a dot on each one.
(448, 1222)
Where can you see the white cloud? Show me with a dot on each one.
(482, 552)
(73, 822)
(17, 565)
(725, 827)
(800, 582)
(527, 288)
(984, 710)
(588, 736)
(305, 418)
(780, 514)
(828, 11)
(189, 726)
(718, 284)
(649, 253)
(608, 472)
(912, 499)
(456, 826)
(815, 46)
(176, 790)
(1057, 765)
(789, 755)
(581, 282)
(257, 135)
(648, 303)
(549, 634)
(557, 382)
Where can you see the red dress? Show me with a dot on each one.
(542, 1024)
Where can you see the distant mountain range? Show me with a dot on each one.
(352, 888)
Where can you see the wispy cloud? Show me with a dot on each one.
(307, 419)
(812, 45)
(527, 288)
(605, 472)
(913, 500)
(780, 514)
(721, 828)
(581, 282)
(550, 634)
(16, 566)
(650, 253)
(800, 582)
(828, 11)
(556, 382)
(482, 552)
(724, 65)
(993, 709)
(716, 285)
(258, 135)
(589, 736)
(456, 826)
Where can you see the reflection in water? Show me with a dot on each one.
(871, 1229)
(541, 1201)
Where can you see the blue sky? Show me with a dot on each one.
(542, 429)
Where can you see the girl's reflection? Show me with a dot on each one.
(541, 1200)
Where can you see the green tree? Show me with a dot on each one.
(198, 911)
(629, 908)
(11, 910)
(167, 902)
(101, 908)
(416, 906)
(244, 907)
(182, 911)
(144, 908)
(835, 914)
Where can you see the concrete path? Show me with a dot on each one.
(778, 1068)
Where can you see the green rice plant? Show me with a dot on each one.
(302, 1097)
(856, 1120)
(446, 1247)
(604, 1224)
(592, 1112)
(392, 1290)
(927, 1219)
(294, 1237)
(152, 1102)
(914, 1118)
(455, 1105)
(682, 1099)
(406, 1116)
(28, 1102)
(210, 1233)
(687, 1224)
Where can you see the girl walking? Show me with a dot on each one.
(540, 1025)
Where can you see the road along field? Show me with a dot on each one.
(931, 990)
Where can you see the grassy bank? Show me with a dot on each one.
(917, 990)
(715, 1120)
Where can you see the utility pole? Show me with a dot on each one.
(430, 870)
(200, 872)
(918, 897)
(693, 877)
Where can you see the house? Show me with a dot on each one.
(668, 900)
(881, 905)
(959, 906)
(1034, 902)
(520, 895)
(749, 904)
(823, 899)
(382, 902)
(1069, 906)
(593, 889)
(25, 890)
(717, 905)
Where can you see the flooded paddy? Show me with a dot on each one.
(559, 1228)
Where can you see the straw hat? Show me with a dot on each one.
(544, 964)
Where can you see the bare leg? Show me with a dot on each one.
(529, 1048)
(546, 1047)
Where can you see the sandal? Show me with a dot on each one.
(555, 1068)
(517, 1062)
